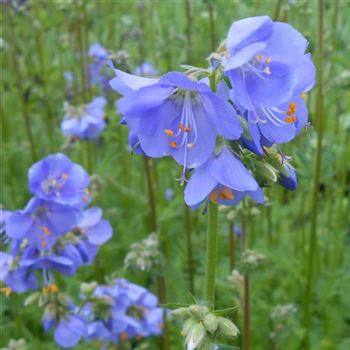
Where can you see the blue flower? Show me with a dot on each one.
(146, 69)
(269, 70)
(86, 121)
(133, 311)
(57, 179)
(90, 233)
(224, 180)
(70, 329)
(18, 279)
(99, 56)
(180, 117)
(4, 216)
(41, 223)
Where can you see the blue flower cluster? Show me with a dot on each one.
(85, 122)
(254, 99)
(54, 233)
(110, 314)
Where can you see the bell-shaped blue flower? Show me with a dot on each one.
(224, 180)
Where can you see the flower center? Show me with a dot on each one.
(54, 184)
(224, 193)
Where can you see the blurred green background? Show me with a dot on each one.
(41, 40)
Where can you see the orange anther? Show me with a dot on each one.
(293, 106)
(214, 197)
(268, 60)
(291, 119)
(226, 193)
(184, 128)
(53, 288)
(46, 231)
(169, 132)
(289, 112)
(43, 244)
(65, 176)
(7, 291)
(259, 57)
(303, 95)
(123, 336)
(173, 144)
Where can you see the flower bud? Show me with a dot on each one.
(196, 337)
(187, 326)
(181, 313)
(88, 288)
(227, 327)
(211, 323)
(32, 298)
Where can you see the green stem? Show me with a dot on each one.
(188, 231)
(317, 177)
(19, 81)
(189, 29)
(232, 244)
(246, 292)
(212, 25)
(211, 257)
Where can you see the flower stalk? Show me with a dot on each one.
(317, 177)
(211, 255)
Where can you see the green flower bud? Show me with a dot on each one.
(227, 327)
(211, 323)
(88, 288)
(196, 336)
(197, 310)
(32, 298)
(187, 326)
(181, 313)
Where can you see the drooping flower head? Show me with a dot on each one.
(224, 180)
(269, 72)
(85, 122)
(178, 116)
(57, 179)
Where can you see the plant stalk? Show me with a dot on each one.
(317, 178)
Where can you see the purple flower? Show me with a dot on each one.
(133, 311)
(34, 259)
(224, 180)
(269, 70)
(169, 194)
(99, 56)
(69, 331)
(146, 69)
(19, 279)
(180, 117)
(57, 179)
(86, 121)
(90, 233)
(41, 223)
(4, 216)
(134, 144)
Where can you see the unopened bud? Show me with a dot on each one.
(227, 327)
(196, 337)
(189, 323)
(211, 323)
(88, 288)
(181, 313)
(32, 298)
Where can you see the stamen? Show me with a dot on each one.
(7, 291)
(259, 57)
(303, 95)
(226, 193)
(189, 145)
(268, 60)
(65, 176)
(123, 336)
(46, 231)
(184, 128)
(267, 70)
(173, 144)
(291, 119)
(169, 132)
(293, 106)
(214, 196)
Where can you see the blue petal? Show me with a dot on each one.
(69, 332)
(229, 171)
(306, 75)
(100, 233)
(200, 185)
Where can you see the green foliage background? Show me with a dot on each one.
(39, 43)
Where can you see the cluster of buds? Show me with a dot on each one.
(251, 261)
(201, 327)
(144, 256)
(279, 317)
(235, 279)
(13, 344)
